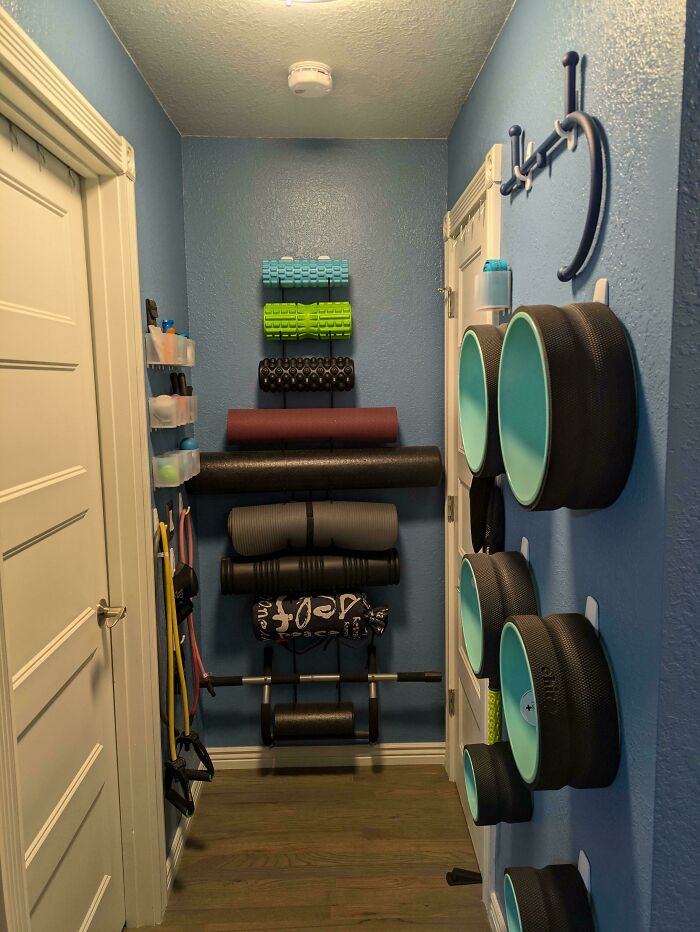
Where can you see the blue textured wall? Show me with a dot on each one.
(633, 77)
(78, 39)
(676, 893)
(379, 204)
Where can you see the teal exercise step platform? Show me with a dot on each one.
(305, 273)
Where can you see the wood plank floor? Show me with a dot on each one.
(337, 850)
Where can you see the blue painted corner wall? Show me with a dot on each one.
(633, 74)
(676, 892)
(380, 205)
(78, 39)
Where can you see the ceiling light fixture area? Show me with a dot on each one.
(290, 2)
(310, 79)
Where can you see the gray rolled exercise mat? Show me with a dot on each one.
(298, 470)
(345, 614)
(260, 529)
(310, 573)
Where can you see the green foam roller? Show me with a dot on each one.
(327, 320)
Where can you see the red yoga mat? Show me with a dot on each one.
(267, 425)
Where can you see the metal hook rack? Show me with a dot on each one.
(524, 170)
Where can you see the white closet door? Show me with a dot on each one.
(477, 239)
(53, 571)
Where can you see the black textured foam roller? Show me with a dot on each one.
(310, 573)
(553, 899)
(306, 374)
(501, 794)
(313, 720)
(297, 470)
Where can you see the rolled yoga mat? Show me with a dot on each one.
(306, 374)
(270, 425)
(327, 320)
(299, 470)
(347, 614)
(260, 529)
(309, 573)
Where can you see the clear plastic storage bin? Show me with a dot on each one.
(169, 349)
(172, 410)
(492, 290)
(172, 469)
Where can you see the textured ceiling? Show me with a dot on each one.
(402, 68)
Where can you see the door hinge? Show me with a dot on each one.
(451, 702)
(447, 294)
(450, 509)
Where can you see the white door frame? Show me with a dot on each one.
(36, 97)
(482, 192)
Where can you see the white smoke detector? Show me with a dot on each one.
(310, 79)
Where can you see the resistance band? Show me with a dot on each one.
(186, 549)
(173, 647)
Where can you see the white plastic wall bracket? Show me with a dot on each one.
(584, 869)
(180, 504)
(601, 292)
(156, 521)
(591, 612)
(525, 548)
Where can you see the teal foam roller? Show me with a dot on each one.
(305, 273)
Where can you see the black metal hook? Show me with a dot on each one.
(573, 121)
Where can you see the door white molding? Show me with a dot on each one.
(38, 98)
(481, 194)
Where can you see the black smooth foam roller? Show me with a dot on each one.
(553, 899)
(310, 573)
(559, 702)
(313, 720)
(299, 470)
(495, 790)
(306, 374)
(256, 530)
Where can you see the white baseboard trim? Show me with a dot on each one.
(346, 755)
(178, 844)
(495, 914)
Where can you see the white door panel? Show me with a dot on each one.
(53, 554)
(465, 255)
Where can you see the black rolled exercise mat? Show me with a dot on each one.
(310, 573)
(306, 374)
(260, 529)
(305, 470)
(346, 614)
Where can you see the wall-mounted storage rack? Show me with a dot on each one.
(568, 128)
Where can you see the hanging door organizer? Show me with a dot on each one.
(169, 349)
